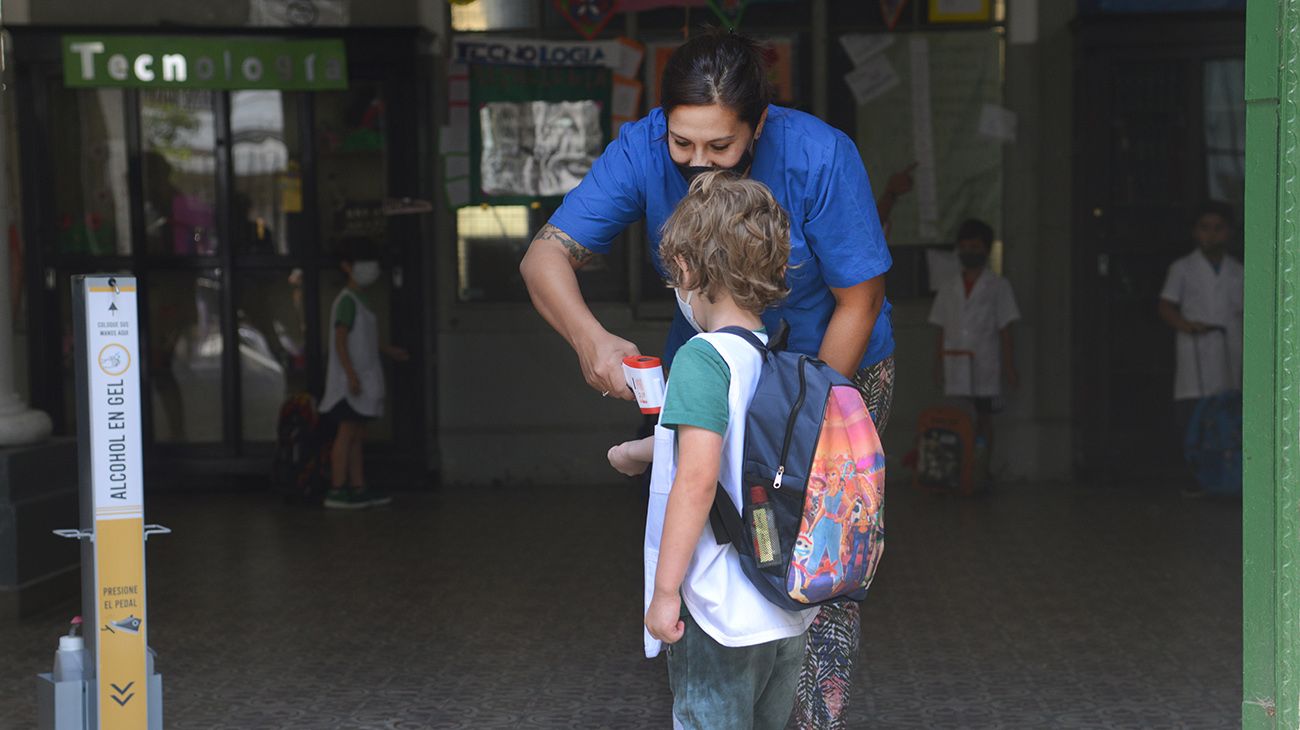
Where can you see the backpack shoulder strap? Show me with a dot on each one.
(725, 519)
(747, 336)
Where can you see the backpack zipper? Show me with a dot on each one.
(789, 425)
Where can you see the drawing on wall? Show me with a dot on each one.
(538, 148)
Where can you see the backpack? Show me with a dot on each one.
(1212, 443)
(812, 528)
(300, 470)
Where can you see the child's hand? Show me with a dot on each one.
(663, 618)
(625, 460)
(354, 384)
(399, 354)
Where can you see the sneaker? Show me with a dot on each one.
(375, 497)
(345, 499)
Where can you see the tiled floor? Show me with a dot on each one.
(1042, 607)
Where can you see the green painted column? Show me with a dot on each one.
(1271, 502)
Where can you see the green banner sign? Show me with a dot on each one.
(204, 63)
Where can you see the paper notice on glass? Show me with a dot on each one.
(927, 188)
(630, 56)
(458, 192)
(458, 89)
(861, 47)
(998, 122)
(456, 166)
(942, 265)
(458, 116)
(626, 98)
(452, 140)
(872, 79)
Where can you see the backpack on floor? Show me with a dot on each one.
(812, 527)
(945, 452)
(300, 470)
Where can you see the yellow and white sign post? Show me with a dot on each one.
(112, 498)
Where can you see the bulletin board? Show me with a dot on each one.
(934, 99)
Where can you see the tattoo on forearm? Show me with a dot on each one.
(579, 253)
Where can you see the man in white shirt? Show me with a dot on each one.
(1202, 301)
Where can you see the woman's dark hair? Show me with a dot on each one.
(352, 249)
(972, 228)
(718, 67)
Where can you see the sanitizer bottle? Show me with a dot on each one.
(70, 659)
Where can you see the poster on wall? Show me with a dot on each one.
(933, 100)
(535, 132)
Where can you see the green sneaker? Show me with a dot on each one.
(346, 499)
(375, 497)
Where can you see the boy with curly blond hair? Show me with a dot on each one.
(734, 657)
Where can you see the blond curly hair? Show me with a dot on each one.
(733, 237)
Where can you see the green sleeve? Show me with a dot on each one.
(346, 312)
(697, 389)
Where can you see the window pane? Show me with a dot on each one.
(1225, 130)
(272, 340)
(91, 213)
(490, 242)
(268, 186)
(178, 139)
(377, 297)
(493, 15)
(185, 356)
(351, 145)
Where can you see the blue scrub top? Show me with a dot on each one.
(814, 172)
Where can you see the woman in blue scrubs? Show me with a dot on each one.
(716, 113)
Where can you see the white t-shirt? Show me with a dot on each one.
(1210, 362)
(973, 324)
(363, 350)
(716, 590)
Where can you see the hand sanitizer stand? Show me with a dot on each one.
(121, 690)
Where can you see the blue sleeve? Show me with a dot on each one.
(611, 196)
(843, 227)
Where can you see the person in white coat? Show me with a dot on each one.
(354, 380)
(975, 351)
(1202, 300)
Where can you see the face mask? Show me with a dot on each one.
(690, 172)
(365, 273)
(687, 311)
(972, 260)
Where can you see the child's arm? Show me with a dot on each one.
(630, 458)
(341, 346)
(1172, 316)
(689, 502)
(397, 353)
(1009, 358)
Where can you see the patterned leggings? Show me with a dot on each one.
(823, 691)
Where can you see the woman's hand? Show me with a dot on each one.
(601, 357)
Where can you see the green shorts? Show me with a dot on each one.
(718, 687)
